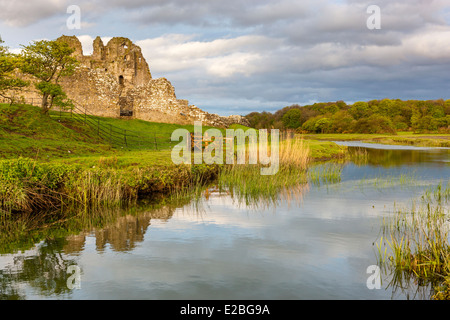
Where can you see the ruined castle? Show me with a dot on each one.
(115, 81)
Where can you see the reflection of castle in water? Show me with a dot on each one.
(121, 235)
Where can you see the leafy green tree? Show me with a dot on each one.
(400, 122)
(376, 123)
(360, 110)
(8, 81)
(292, 119)
(388, 108)
(48, 61)
(415, 118)
(342, 122)
(332, 109)
(318, 124)
(447, 107)
(437, 110)
(341, 104)
(310, 124)
(322, 125)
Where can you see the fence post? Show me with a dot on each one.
(156, 145)
(125, 137)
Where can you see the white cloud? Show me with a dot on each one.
(219, 57)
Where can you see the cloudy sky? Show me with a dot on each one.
(235, 57)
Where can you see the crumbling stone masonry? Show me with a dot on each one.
(115, 81)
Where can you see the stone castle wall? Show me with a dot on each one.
(115, 81)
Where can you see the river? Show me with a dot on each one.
(315, 243)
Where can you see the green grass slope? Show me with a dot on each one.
(67, 138)
(26, 132)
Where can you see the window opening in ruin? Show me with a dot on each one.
(121, 80)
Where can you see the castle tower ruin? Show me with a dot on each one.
(115, 81)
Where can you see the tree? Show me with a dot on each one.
(291, 119)
(318, 124)
(8, 82)
(322, 125)
(332, 108)
(48, 61)
(343, 122)
(447, 107)
(376, 123)
(387, 108)
(359, 110)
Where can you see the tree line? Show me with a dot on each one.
(43, 61)
(375, 116)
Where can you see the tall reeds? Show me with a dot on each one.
(415, 243)
(98, 187)
(294, 154)
(247, 185)
(26, 185)
(325, 173)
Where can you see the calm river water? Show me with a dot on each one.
(315, 244)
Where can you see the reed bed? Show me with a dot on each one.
(415, 244)
(27, 186)
(325, 173)
(246, 183)
(294, 154)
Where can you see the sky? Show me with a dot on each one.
(236, 57)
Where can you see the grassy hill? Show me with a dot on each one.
(77, 139)
(26, 132)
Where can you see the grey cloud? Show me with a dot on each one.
(23, 13)
(232, 13)
(291, 51)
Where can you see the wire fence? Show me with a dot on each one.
(116, 136)
(125, 138)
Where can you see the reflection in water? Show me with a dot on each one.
(312, 243)
(394, 156)
(44, 267)
(122, 235)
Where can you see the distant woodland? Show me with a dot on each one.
(376, 116)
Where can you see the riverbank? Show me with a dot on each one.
(49, 162)
(28, 184)
(55, 159)
(402, 138)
